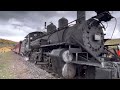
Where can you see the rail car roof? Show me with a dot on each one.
(33, 33)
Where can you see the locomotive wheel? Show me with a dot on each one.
(32, 58)
(57, 65)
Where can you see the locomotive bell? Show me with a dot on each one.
(63, 22)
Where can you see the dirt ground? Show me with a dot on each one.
(13, 66)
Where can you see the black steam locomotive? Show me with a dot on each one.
(76, 51)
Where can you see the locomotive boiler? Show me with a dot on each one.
(76, 51)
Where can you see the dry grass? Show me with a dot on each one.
(112, 42)
(5, 62)
(5, 49)
(7, 43)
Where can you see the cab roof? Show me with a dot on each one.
(33, 33)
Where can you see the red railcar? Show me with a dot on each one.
(17, 48)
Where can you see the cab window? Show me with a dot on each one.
(35, 35)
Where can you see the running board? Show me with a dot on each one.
(87, 63)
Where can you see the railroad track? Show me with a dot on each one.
(50, 72)
(44, 67)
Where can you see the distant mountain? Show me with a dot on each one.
(7, 43)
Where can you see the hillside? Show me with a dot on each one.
(6, 43)
(113, 41)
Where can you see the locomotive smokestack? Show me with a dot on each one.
(80, 16)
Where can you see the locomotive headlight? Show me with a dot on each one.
(97, 37)
(66, 56)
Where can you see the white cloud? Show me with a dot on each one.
(90, 14)
(116, 34)
(116, 14)
(13, 32)
(13, 38)
(9, 30)
(14, 21)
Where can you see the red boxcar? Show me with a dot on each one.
(17, 48)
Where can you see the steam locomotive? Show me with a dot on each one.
(76, 51)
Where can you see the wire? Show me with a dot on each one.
(114, 27)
